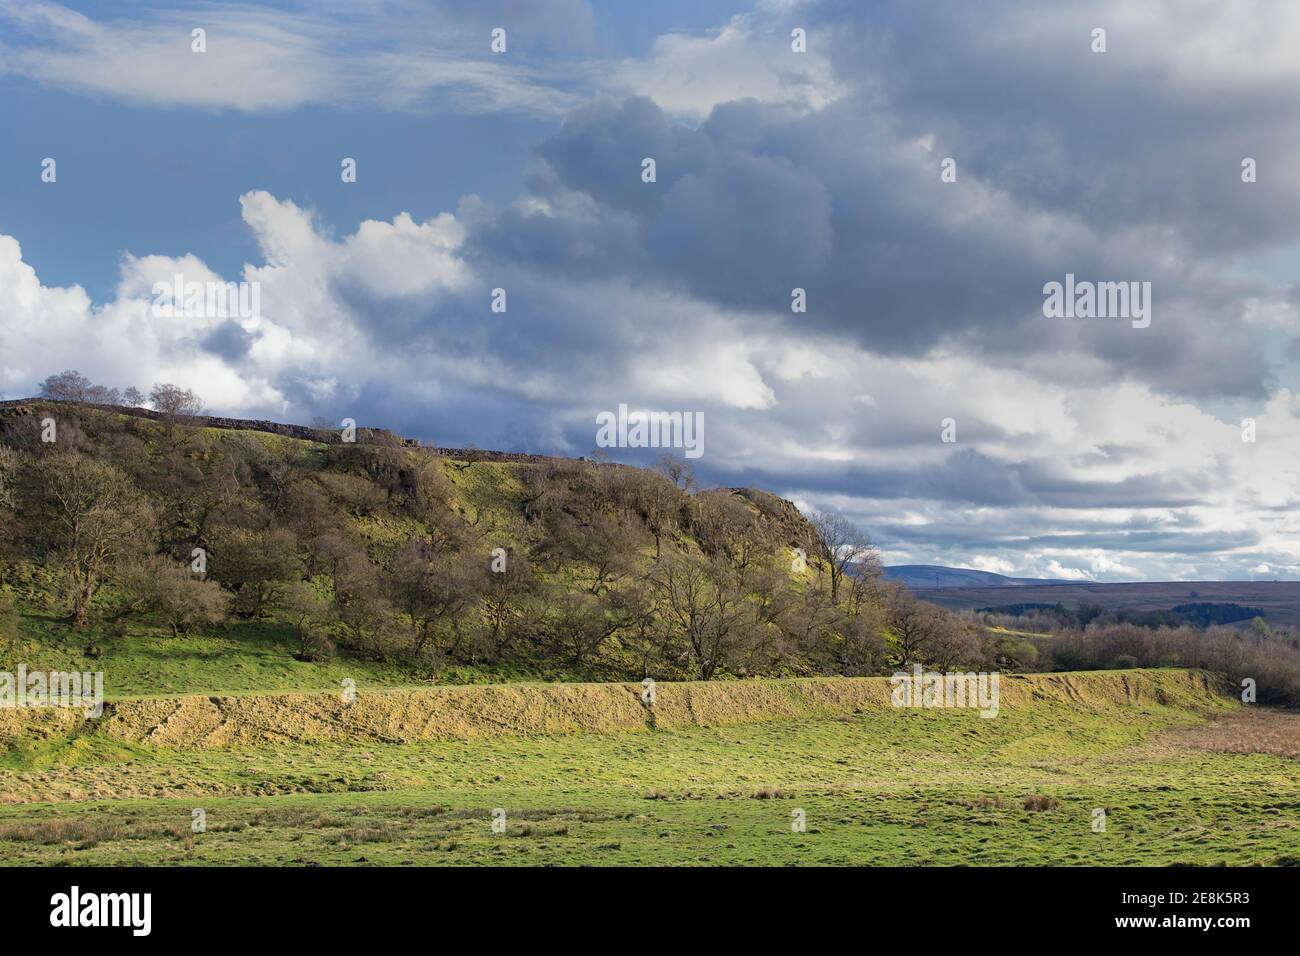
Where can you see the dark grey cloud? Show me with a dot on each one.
(970, 478)
(758, 200)
(1128, 138)
(229, 341)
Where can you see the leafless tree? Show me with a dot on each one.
(911, 622)
(174, 401)
(433, 587)
(678, 471)
(309, 612)
(701, 603)
(840, 545)
(167, 588)
(659, 501)
(255, 564)
(72, 386)
(95, 519)
(952, 643)
(506, 600)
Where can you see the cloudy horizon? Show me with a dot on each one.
(924, 392)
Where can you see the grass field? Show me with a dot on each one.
(1184, 775)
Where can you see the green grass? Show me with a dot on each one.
(142, 660)
(894, 787)
(139, 659)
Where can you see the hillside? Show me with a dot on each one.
(938, 576)
(244, 555)
(189, 555)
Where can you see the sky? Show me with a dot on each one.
(921, 170)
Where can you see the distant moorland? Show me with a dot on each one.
(1278, 600)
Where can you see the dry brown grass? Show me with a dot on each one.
(363, 835)
(462, 713)
(1039, 803)
(538, 830)
(87, 833)
(1250, 730)
(982, 803)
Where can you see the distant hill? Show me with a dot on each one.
(1205, 602)
(937, 576)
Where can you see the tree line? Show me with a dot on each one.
(582, 568)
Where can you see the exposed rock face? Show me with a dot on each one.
(784, 518)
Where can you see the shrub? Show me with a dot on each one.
(169, 589)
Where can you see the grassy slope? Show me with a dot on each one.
(145, 660)
(880, 787)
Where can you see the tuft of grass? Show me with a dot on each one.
(87, 833)
(363, 835)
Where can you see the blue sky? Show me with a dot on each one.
(164, 179)
(1085, 448)
(167, 182)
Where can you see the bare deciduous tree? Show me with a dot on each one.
(168, 588)
(678, 471)
(72, 386)
(433, 587)
(506, 600)
(174, 401)
(700, 602)
(308, 612)
(256, 565)
(95, 518)
(952, 643)
(659, 502)
(911, 622)
(840, 545)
